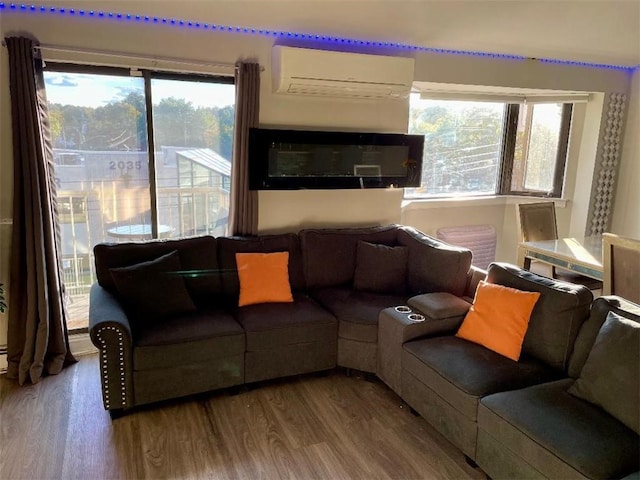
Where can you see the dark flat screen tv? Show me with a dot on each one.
(305, 159)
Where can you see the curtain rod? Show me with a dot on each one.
(104, 53)
(199, 63)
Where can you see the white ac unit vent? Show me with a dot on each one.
(302, 71)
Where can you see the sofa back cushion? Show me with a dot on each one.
(557, 316)
(610, 378)
(229, 246)
(330, 254)
(433, 265)
(380, 268)
(589, 331)
(153, 289)
(198, 258)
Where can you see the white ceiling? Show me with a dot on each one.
(601, 31)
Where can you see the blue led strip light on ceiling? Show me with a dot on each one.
(172, 22)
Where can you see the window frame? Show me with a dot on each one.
(507, 154)
(147, 75)
(78, 213)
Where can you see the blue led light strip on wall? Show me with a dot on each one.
(173, 22)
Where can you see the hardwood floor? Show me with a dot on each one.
(326, 427)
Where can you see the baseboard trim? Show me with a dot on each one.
(80, 344)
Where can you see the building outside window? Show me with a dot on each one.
(111, 185)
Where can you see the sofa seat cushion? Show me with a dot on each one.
(271, 325)
(357, 312)
(186, 339)
(462, 372)
(548, 427)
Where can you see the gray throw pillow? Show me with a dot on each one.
(610, 377)
(154, 288)
(380, 268)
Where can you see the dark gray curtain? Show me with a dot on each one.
(37, 340)
(243, 210)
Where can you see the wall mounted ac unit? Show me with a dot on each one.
(303, 71)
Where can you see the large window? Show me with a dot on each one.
(481, 148)
(136, 157)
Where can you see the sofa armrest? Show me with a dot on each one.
(441, 314)
(110, 332)
(473, 279)
(442, 309)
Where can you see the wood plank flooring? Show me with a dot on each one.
(309, 427)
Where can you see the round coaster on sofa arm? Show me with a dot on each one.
(403, 309)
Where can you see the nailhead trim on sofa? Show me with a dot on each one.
(105, 373)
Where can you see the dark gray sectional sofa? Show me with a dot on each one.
(147, 358)
(519, 419)
(544, 431)
(444, 377)
(514, 419)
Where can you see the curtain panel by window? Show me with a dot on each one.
(243, 210)
(37, 340)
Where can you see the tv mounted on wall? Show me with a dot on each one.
(301, 159)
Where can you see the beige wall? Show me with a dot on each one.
(293, 210)
(626, 213)
(582, 166)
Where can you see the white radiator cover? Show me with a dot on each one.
(480, 239)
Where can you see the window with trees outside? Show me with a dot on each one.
(489, 148)
(137, 155)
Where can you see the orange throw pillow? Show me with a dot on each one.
(264, 278)
(498, 318)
